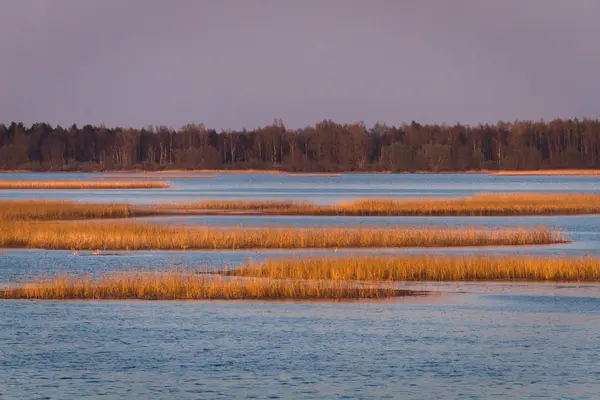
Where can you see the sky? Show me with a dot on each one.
(232, 64)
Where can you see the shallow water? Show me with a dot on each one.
(472, 340)
(468, 346)
(20, 264)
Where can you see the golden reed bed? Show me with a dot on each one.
(146, 236)
(428, 268)
(179, 284)
(253, 206)
(478, 205)
(65, 210)
(312, 278)
(550, 172)
(156, 176)
(26, 185)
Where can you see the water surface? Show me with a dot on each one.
(321, 189)
(447, 347)
(471, 341)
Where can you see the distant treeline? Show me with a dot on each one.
(324, 147)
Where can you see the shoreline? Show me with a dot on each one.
(549, 172)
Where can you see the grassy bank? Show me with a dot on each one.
(428, 268)
(182, 285)
(105, 185)
(478, 205)
(146, 236)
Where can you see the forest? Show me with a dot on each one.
(325, 147)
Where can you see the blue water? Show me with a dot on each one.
(469, 340)
(322, 189)
(466, 347)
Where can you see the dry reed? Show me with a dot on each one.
(146, 236)
(25, 185)
(314, 174)
(156, 176)
(179, 284)
(550, 172)
(478, 205)
(218, 171)
(252, 206)
(428, 268)
(66, 210)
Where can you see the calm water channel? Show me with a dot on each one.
(467, 341)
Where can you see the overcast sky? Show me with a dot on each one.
(242, 63)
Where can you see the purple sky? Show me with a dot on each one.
(233, 64)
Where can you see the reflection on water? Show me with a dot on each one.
(472, 340)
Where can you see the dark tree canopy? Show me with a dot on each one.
(325, 147)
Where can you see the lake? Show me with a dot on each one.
(468, 340)
(321, 189)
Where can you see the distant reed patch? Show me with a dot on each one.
(66, 210)
(25, 185)
(138, 176)
(550, 172)
(477, 205)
